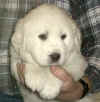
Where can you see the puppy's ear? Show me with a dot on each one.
(78, 39)
(18, 36)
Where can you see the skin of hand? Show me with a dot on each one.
(21, 71)
(70, 90)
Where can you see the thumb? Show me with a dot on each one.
(60, 73)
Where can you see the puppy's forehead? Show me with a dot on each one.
(48, 17)
(47, 12)
(48, 9)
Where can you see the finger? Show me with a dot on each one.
(21, 71)
(60, 73)
(21, 68)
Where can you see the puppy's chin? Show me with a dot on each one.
(55, 64)
(51, 64)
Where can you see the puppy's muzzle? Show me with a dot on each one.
(55, 57)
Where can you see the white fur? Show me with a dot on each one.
(28, 48)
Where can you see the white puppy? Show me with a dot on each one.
(46, 36)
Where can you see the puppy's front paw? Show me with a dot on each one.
(34, 82)
(51, 89)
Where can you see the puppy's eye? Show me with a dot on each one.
(63, 36)
(43, 36)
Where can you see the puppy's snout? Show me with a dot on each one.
(55, 57)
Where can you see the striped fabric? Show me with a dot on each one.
(88, 19)
(85, 12)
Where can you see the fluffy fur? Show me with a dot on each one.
(46, 36)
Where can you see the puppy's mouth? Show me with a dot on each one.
(53, 63)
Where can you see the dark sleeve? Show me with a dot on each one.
(94, 75)
(87, 15)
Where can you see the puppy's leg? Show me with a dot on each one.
(42, 80)
(51, 87)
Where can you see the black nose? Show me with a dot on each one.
(55, 57)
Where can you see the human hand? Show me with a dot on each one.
(70, 90)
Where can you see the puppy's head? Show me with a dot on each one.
(48, 34)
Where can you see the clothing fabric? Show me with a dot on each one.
(9, 98)
(86, 13)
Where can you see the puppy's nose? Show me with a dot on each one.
(55, 57)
